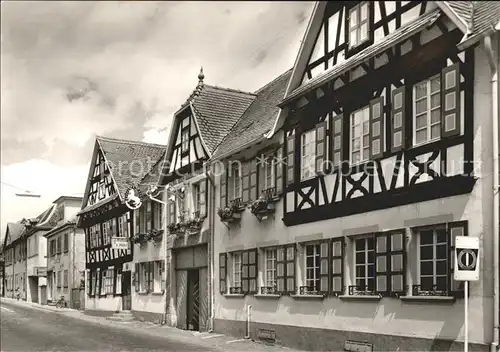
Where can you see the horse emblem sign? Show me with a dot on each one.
(466, 258)
(133, 198)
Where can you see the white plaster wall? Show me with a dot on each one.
(389, 315)
(108, 303)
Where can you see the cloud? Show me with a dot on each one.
(71, 70)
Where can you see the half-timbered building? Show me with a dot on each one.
(386, 147)
(198, 128)
(116, 166)
(14, 249)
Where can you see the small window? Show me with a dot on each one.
(196, 198)
(237, 270)
(433, 260)
(66, 244)
(270, 270)
(269, 173)
(313, 266)
(236, 180)
(427, 111)
(358, 24)
(360, 135)
(185, 141)
(308, 155)
(365, 264)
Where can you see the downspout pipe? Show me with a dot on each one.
(211, 224)
(496, 204)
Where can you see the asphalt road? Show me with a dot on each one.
(27, 329)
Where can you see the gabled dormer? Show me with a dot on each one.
(100, 183)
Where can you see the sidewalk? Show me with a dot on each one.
(204, 339)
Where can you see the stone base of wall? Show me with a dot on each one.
(316, 339)
(156, 318)
(99, 313)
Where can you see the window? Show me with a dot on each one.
(65, 281)
(108, 280)
(157, 215)
(433, 260)
(88, 283)
(427, 110)
(59, 281)
(93, 282)
(312, 266)
(360, 135)
(308, 155)
(185, 141)
(144, 277)
(118, 281)
(285, 269)
(249, 271)
(222, 273)
(270, 269)
(158, 276)
(149, 215)
(365, 264)
(236, 272)
(102, 189)
(236, 180)
(269, 176)
(358, 24)
(59, 245)
(66, 244)
(196, 198)
(390, 263)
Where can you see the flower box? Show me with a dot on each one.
(229, 214)
(155, 235)
(140, 238)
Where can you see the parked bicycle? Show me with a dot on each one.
(61, 303)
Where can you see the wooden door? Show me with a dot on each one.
(126, 291)
(193, 300)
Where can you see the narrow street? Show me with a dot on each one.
(28, 328)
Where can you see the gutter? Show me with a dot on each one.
(211, 224)
(493, 61)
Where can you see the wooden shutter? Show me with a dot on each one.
(337, 282)
(171, 213)
(253, 179)
(290, 269)
(455, 229)
(203, 198)
(244, 272)
(321, 144)
(290, 160)
(337, 140)
(261, 174)
(279, 170)
(376, 128)
(398, 119)
(450, 101)
(136, 277)
(390, 262)
(223, 188)
(252, 270)
(88, 283)
(245, 182)
(222, 273)
(163, 274)
(280, 270)
(324, 272)
(151, 273)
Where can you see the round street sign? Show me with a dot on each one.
(133, 198)
(467, 259)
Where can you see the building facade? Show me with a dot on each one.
(66, 263)
(15, 260)
(117, 166)
(382, 148)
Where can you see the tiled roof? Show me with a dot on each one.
(217, 110)
(395, 37)
(55, 229)
(129, 161)
(152, 177)
(478, 16)
(14, 231)
(258, 119)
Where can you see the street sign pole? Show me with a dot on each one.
(466, 325)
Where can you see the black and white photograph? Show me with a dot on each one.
(226, 176)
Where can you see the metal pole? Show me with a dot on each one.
(466, 306)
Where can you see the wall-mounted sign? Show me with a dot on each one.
(133, 198)
(120, 243)
(466, 258)
(41, 271)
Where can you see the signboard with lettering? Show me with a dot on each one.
(41, 271)
(120, 243)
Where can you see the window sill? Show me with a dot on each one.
(159, 293)
(361, 297)
(143, 293)
(308, 296)
(428, 299)
(270, 296)
(234, 295)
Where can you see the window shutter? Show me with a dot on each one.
(253, 179)
(261, 174)
(390, 264)
(245, 182)
(163, 275)
(450, 101)
(279, 170)
(337, 282)
(223, 188)
(222, 273)
(280, 270)
(252, 270)
(398, 119)
(320, 147)
(151, 273)
(454, 230)
(376, 128)
(290, 161)
(382, 275)
(171, 213)
(203, 198)
(244, 272)
(136, 277)
(290, 269)
(337, 140)
(88, 282)
(324, 272)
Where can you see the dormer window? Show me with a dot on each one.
(358, 24)
(360, 135)
(185, 141)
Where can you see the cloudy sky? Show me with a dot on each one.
(71, 70)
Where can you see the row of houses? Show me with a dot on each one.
(321, 210)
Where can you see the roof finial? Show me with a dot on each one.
(201, 76)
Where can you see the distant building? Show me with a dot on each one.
(14, 248)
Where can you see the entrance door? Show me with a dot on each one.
(126, 291)
(193, 300)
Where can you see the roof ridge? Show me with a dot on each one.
(271, 82)
(231, 90)
(126, 141)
